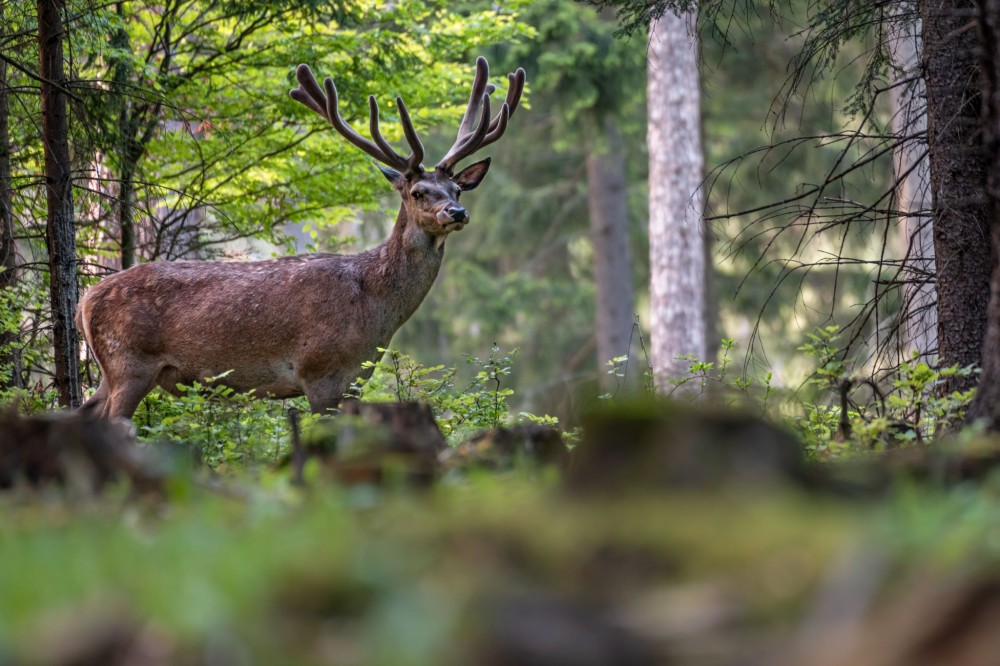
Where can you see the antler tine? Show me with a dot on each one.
(373, 121)
(348, 132)
(479, 84)
(514, 91)
(488, 130)
(501, 126)
(470, 142)
(417, 148)
(309, 92)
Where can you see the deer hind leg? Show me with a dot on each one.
(127, 395)
(97, 404)
(128, 384)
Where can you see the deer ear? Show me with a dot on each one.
(472, 175)
(390, 174)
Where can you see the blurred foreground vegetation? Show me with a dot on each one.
(739, 530)
(492, 570)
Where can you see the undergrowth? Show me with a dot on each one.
(228, 428)
(835, 413)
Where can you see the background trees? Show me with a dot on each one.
(183, 145)
(955, 156)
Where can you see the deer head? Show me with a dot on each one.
(430, 199)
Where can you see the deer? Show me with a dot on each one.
(297, 325)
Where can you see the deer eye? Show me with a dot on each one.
(419, 194)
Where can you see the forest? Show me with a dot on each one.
(553, 332)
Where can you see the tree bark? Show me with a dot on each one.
(913, 191)
(958, 180)
(676, 164)
(60, 235)
(8, 251)
(987, 403)
(128, 152)
(607, 200)
(126, 221)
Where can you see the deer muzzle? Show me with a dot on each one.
(453, 217)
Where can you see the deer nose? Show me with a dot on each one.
(457, 213)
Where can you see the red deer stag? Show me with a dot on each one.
(300, 325)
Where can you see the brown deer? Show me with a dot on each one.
(301, 325)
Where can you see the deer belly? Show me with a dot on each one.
(275, 380)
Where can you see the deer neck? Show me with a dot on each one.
(407, 264)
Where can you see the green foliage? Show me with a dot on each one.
(23, 349)
(10, 325)
(716, 382)
(907, 406)
(918, 397)
(482, 403)
(226, 428)
(231, 429)
(205, 120)
(828, 355)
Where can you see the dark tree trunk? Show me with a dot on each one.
(607, 198)
(59, 235)
(987, 403)
(126, 222)
(8, 251)
(128, 152)
(958, 180)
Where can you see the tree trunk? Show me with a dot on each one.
(958, 181)
(128, 153)
(126, 222)
(8, 251)
(913, 193)
(676, 235)
(607, 200)
(987, 403)
(59, 234)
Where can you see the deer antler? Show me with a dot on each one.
(470, 140)
(311, 95)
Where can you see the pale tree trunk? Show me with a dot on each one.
(607, 200)
(913, 193)
(60, 235)
(676, 232)
(958, 169)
